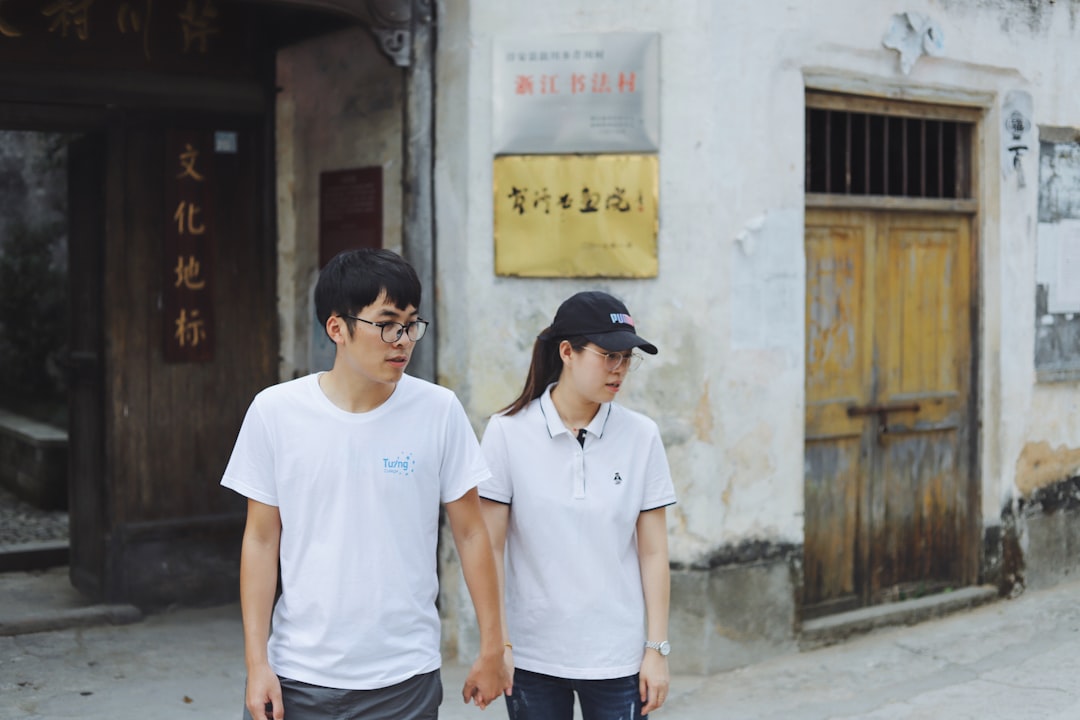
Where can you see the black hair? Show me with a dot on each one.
(354, 279)
(545, 368)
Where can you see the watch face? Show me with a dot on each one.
(665, 648)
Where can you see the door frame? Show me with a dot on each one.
(835, 93)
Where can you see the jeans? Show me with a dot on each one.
(544, 697)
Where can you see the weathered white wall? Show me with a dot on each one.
(339, 107)
(718, 382)
(727, 307)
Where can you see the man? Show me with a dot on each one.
(344, 472)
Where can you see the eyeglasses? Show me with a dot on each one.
(391, 331)
(613, 360)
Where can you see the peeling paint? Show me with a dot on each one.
(1040, 465)
(913, 35)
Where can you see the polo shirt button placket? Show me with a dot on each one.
(579, 472)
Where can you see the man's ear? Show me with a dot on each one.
(336, 329)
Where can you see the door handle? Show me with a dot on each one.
(860, 410)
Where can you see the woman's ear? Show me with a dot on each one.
(566, 351)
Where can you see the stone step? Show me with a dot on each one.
(833, 629)
(44, 600)
(33, 555)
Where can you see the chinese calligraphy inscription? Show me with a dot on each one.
(576, 215)
(188, 273)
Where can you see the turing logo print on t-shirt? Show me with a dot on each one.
(401, 465)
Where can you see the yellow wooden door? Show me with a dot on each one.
(889, 494)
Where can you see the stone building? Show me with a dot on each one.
(859, 278)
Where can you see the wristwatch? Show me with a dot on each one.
(663, 647)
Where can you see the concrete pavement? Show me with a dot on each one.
(1010, 659)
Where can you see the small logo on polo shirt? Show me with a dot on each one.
(617, 479)
(401, 465)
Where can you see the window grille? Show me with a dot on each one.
(857, 153)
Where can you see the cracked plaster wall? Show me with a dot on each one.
(727, 307)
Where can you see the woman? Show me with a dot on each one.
(576, 510)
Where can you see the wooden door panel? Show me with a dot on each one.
(837, 357)
(87, 159)
(916, 544)
(922, 324)
(888, 325)
(922, 342)
(835, 302)
(833, 477)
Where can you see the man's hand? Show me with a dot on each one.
(654, 681)
(487, 679)
(263, 694)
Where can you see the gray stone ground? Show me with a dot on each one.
(1015, 658)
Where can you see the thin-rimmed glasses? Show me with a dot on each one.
(613, 360)
(391, 331)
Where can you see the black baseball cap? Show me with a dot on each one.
(599, 318)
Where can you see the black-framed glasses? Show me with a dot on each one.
(391, 331)
(613, 360)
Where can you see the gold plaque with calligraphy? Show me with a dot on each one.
(576, 215)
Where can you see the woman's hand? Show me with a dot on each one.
(654, 681)
(508, 663)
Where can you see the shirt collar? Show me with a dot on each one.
(555, 424)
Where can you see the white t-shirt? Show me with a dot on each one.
(574, 601)
(359, 496)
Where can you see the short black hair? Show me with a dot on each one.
(354, 279)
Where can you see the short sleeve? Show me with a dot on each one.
(499, 486)
(463, 466)
(250, 471)
(659, 489)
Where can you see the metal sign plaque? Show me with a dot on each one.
(577, 93)
(576, 215)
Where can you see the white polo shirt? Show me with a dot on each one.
(574, 600)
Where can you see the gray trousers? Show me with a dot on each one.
(417, 698)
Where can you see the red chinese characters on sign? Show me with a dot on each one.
(597, 83)
(574, 83)
(188, 321)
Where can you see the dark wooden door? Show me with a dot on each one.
(890, 493)
(86, 482)
(173, 532)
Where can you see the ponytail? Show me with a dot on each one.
(545, 368)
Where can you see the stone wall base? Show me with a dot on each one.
(34, 461)
(733, 615)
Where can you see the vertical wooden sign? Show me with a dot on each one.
(188, 254)
(350, 211)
